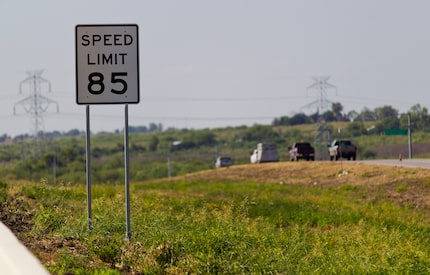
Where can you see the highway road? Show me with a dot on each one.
(415, 163)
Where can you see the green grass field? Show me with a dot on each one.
(226, 226)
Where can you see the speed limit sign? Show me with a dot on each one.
(107, 64)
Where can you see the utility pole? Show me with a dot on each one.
(409, 136)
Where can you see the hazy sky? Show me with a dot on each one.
(222, 63)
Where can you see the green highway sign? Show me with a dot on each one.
(396, 132)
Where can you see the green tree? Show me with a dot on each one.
(337, 109)
(202, 138)
(282, 121)
(386, 111)
(419, 118)
(300, 118)
(328, 116)
(387, 123)
(153, 143)
(366, 115)
(352, 115)
(154, 127)
(260, 133)
(356, 129)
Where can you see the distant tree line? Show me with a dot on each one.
(153, 127)
(384, 117)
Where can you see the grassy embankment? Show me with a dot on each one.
(286, 218)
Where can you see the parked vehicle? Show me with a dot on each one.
(223, 162)
(302, 150)
(265, 152)
(342, 148)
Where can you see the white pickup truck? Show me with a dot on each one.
(342, 148)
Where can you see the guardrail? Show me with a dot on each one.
(15, 258)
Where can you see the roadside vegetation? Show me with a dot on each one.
(279, 218)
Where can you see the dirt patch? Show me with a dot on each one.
(402, 185)
(15, 214)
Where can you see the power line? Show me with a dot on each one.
(172, 118)
(222, 98)
(353, 99)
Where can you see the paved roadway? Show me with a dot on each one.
(415, 163)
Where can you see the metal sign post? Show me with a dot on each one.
(107, 72)
(127, 173)
(88, 169)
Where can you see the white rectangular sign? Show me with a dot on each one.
(107, 64)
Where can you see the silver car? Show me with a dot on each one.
(223, 162)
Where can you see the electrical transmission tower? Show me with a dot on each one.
(35, 104)
(321, 85)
